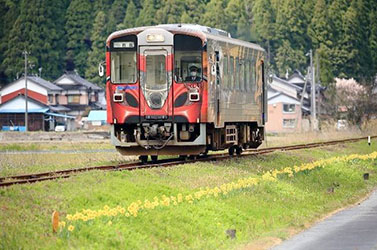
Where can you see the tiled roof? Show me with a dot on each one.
(44, 83)
(79, 80)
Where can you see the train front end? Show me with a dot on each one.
(156, 92)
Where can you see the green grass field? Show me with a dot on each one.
(267, 212)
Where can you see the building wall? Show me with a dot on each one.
(62, 100)
(276, 117)
(35, 121)
(84, 99)
(20, 84)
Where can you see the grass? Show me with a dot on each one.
(267, 211)
(54, 146)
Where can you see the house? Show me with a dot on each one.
(288, 103)
(79, 95)
(284, 112)
(67, 99)
(42, 114)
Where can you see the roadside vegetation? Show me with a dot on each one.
(257, 206)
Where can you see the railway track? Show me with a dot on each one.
(44, 176)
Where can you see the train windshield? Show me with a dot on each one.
(156, 72)
(123, 60)
(187, 59)
(123, 67)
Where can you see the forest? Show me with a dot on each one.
(63, 35)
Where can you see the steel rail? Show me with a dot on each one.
(36, 177)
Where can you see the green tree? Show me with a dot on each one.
(116, 15)
(38, 29)
(264, 19)
(97, 52)
(147, 14)
(288, 58)
(351, 39)
(373, 39)
(9, 11)
(336, 11)
(364, 59)
(77, 27)
(194, 10)
(319, 30)
(238, 20)
(291, 32)
(129, 20)
(170, 11)
(215, 16)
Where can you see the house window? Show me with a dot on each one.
(74, 99)
(50, 99)
(289, 108)
(289, 123)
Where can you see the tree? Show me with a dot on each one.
(351, 40)
(215, 16)
(291, 32)
(264, 19)
(97, 52)
(116, 15)
(147, 14)
(9, 11)
(355, 102)
(129, 20)
(170, 11)
(78, 28)
(238, 20)
(38, 29)
(336, 11)
(373, 40)
(265, 24)
(319, 31)
(194, 10)
(288, 58)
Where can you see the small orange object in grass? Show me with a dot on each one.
(55, 221)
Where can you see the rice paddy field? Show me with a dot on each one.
(247, 203)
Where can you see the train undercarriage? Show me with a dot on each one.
(184, 139)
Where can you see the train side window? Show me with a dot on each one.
(187, 58)
(225, 71)
(247, 76)
(231, 73)
(253, 78)
(237, 73)
(242, 75)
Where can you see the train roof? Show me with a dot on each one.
(203, 32)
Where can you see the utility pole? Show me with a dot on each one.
(313, 92)
(25, 53)
(319, 97)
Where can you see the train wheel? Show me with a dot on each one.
(143, 158)
(183, 157)
(231, 151)
(239, 150)
(193, 157)
(154, 158)
(205, 153)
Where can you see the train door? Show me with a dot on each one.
(155, 82)
(216, 73)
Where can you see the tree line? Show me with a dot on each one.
(65, 35)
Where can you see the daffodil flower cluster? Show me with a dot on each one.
(165, 201)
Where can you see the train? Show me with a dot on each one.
(184, 89)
